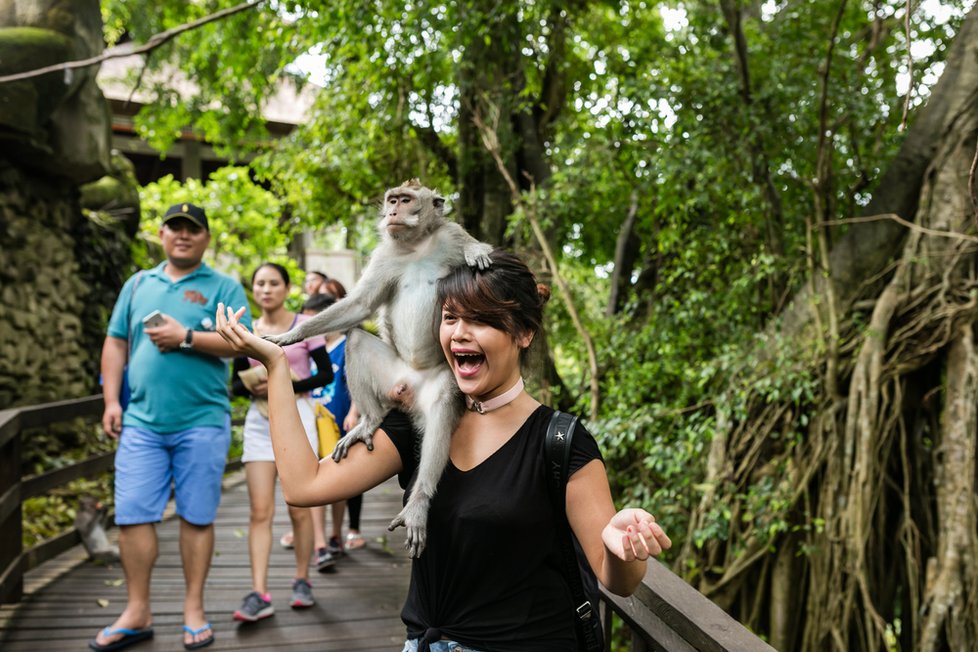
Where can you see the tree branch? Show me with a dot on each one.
(757, 147)
(118, 52)
(906, 103)
(626, 249)
(553, 87)
(823, 201)
(491, 142)
(430, 139)
(899, 220)
(971, 183)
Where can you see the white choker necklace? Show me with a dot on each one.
(505, 398)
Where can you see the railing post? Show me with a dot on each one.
(11, 525)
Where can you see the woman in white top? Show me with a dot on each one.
(270, 287)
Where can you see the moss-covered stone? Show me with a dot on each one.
(115, 195)
(60, 273)
(58, 122)
(25, 105)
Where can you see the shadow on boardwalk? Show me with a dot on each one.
(357, 607)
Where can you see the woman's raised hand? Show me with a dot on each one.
(241, 339)
(633, 534)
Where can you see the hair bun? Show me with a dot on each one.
(544, 293)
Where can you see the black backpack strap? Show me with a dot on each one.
(560, 434)
(560, 431)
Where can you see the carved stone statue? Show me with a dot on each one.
(59, 121)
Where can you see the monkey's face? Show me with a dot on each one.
(485, 360)
(401, 210)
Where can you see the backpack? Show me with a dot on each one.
(577, 570)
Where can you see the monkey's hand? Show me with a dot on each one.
(360, 433)
(414, 517)
(477, 255)
(284, 339)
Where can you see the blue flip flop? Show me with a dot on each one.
(193, 632)
(129, 637)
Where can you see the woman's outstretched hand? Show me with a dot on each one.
(241, 339)
(633, 534)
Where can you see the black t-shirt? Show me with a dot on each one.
(490, 576)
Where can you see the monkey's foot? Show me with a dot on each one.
(283, 339)
(477, 255)
(358, 434)
(414, 517)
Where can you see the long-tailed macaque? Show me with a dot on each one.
(90, 522)
(418, 247)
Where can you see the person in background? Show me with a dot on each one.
(336, 397)
(270, 287)
(176, 428)
(314, 283)
(490, 577)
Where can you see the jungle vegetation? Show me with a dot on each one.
(759, 220)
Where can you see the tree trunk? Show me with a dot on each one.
(868, 248)
(626, 252)
(883, 482)
(486, 74)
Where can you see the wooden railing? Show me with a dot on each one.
(664, 615)
(14, 490)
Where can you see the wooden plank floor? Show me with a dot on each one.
(357, 607)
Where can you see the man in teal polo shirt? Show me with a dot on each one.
(176, 428)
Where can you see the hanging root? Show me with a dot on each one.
(947, 621)
(856, 486)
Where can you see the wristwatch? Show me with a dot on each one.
(188, 340)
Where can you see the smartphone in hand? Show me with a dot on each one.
(154, 319)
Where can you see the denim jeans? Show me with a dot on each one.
(438, 646)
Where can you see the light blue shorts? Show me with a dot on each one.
(438, 646)
(147, 463)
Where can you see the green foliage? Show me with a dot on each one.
(651, 115)
(247, 222)
(56, 447)
(54, 513)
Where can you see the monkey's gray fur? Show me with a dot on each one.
(90, 522)
(418, 247)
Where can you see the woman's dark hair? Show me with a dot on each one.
(506, 296)
(278, 268)
(334, 287)
(319, 302)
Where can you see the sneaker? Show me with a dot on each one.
(255, 607)
(302, 594)
(334, 547)
(325, 562)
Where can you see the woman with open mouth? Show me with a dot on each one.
(494, 574)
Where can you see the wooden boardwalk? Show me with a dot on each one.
(357, 608)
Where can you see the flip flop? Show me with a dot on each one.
(193, 632)
(129, 637)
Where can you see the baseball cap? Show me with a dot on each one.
(187, 211)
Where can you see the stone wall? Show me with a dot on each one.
(64, 246)
(59, 274)
(41, 293)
